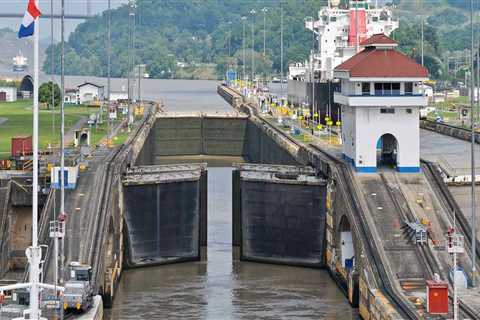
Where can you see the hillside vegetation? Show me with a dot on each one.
(201, 33)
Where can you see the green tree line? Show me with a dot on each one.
(190, 31)
(198, 32)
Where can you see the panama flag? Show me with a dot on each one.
(28, 24)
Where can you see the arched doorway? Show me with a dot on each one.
(26, 84)
(347, 251)
(387, 151)
(83, 141)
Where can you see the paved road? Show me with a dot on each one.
(451, 153)
(82, 204)
(454, 155)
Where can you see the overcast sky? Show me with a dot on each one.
(71, 6)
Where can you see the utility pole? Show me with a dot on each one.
(314, 107)
(281, 50)
(63, 215)
(252, 12)
(52, 66)
(265, 10)
(229, 40)
(134, 26)
(141, 67)
(422, 38)
(131, 24)
(244, 19)
(312, 67)
(52, 61)
(455, 245)
(129, 53)
(472, 119)
(109, 61)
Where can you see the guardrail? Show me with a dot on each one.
(115, 163)
(449, 130)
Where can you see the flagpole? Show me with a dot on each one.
(33, 252)
(35, 249)
(62, 147)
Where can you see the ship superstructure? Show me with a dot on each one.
(338, 38)
(338, 33)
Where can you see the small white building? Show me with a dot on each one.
(380, 98)
(90, 92)
(8, 94)
(71, 96)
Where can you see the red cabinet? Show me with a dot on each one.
(21, 146)
(437, 297)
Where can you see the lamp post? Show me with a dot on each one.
(422, 32)
(312, 69)
(252, 12)
(265, 10)
(131, 59)
(473, 174)
(281, 49)
(229, 40)
(52, 67)
(244, 19)
(109, 61)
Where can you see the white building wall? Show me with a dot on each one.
(11, 93)
(348, 132)
(87, 91)
(371, 125)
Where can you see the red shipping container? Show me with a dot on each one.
(21, 146)
(437, 297)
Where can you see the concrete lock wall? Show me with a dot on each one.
(165, 216)
(261, 148)
(279, 215)
(211, 135)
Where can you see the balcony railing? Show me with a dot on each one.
(384, 94)
(381, 99)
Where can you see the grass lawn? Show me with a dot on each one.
(121, 137)
(20, 118)
(98, 132)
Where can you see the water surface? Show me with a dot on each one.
(222, 287)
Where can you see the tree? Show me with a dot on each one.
(193, 31)
(45, 94)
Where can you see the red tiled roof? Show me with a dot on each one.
(378, 38)
(381, 63)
